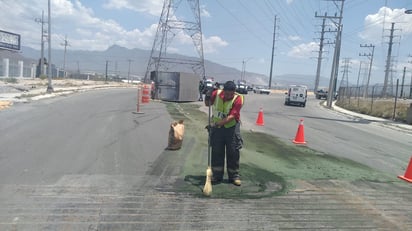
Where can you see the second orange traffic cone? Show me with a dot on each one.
(259, 120)
(300, 134)
(408, 173)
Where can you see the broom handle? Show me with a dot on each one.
(208, 140)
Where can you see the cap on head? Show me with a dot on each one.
(229, 86)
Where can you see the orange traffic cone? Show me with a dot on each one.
(259, 120)
(300, 134)
(408, 173)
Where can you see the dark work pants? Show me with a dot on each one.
(226, 141)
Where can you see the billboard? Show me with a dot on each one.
(9, 40)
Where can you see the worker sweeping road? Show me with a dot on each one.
(225, 138)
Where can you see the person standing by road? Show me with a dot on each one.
(225, 138)
(201, 89)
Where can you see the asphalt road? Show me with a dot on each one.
(87, 162)
(88, 133)
(365, 141)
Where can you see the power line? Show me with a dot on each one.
(242, 24)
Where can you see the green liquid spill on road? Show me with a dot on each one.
(269, 167)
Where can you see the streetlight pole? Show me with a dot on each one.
(128, 72)
(107, 64)
(49, 73)
(41, 20)
(273, 53)
(243, 74)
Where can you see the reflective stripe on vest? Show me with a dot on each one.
(221, 108)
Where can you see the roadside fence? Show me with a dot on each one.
(389, 102)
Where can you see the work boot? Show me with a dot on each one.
(236, 181)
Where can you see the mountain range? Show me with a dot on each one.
(133, 62)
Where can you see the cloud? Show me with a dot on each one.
(153, 7)
(383, 19)
(213, 44)
(303, 50)
(84, 30)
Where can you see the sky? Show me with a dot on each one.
(235, 33)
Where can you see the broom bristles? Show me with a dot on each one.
(207, 190)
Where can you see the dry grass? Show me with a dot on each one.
(383, 108)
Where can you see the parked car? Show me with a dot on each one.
(296, 95)
(241, 88)
(261, 90)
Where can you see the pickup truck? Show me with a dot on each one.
(321, 94)
(261, 90)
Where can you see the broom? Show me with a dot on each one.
(207, 189)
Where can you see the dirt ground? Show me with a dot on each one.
(28, 84)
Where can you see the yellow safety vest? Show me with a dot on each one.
(222, 108)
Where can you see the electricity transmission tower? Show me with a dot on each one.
(168, 28)
(345, 81)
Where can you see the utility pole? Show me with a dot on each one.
(357, 82)
(107, 64)
(319, 56)
(41, 20)
(335, 63)
(115, 69)
(370, 57)
(273, 53)
(243, 73)
(78, 69)
(65, 44)
(359, 72)
(410, 88)
(388, 63)
(128, 71)
(403, 81)
(410, 85)
(49, 73)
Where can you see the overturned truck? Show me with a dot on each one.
(175, 86)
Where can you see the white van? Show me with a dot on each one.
(296, 95)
